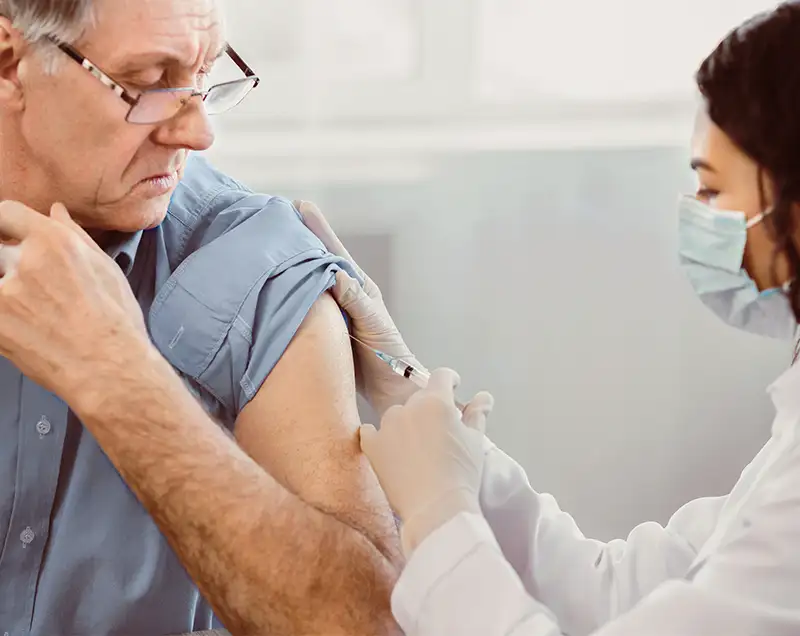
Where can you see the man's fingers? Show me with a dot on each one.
(17, 221)
(443, 382)
(9, 258)
(60, 214)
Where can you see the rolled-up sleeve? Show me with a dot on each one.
(297, 270)
(276, 312)
(229, 312)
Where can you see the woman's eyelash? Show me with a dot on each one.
(707, 193)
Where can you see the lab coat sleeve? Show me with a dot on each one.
(458, 582)
(585, 583)
(748, 586)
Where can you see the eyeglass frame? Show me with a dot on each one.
(133, 101)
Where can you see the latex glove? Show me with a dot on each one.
(370, 323)
(428, 461)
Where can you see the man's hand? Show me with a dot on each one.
(65, 306)
(370, 323)
(428, 460)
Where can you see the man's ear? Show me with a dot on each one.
(12, 47)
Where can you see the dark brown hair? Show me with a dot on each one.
(751, 86)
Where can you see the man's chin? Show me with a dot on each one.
(144, 215)
(155, 217)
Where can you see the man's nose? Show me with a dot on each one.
(190, 129)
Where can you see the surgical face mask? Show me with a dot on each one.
(711, 248)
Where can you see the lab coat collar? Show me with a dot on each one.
(785, 394)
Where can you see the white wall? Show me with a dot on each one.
(550, 278)
(531, 247)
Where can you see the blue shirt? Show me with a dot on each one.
(79, 556)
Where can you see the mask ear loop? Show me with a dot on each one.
(758, 218)
(787, 286)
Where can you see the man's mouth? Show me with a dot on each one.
(159, 184)
(164, 178)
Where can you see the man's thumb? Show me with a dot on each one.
(59, 212)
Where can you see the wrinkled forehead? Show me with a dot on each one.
(185, 30)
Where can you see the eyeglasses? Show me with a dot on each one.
(159, 105)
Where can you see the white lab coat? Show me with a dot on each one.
(724, 566)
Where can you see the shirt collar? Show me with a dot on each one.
(122, 248)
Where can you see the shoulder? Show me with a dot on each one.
(209, 205)
(245, 273)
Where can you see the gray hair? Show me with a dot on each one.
(65, 20)
(37, 19)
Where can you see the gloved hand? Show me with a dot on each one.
(371, 323)
(428, 460)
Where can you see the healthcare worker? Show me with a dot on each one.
(488, 554)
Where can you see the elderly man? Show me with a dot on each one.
(286, 532)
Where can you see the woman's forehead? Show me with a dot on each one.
(711, 145)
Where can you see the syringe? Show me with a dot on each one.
(403, 368)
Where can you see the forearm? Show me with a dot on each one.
(269, 563)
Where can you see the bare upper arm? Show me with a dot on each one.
(302, 426)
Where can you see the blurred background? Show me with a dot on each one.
(508, 170)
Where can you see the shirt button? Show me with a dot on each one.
(43, 427)
(27, 537)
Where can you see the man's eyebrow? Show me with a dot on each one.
(143, 61)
